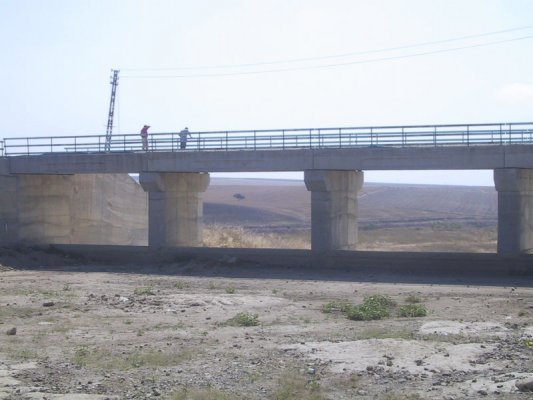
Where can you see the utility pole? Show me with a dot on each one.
(109, 131)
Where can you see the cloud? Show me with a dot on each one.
(516, 93)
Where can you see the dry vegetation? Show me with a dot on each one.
(391, 218)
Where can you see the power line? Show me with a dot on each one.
(296, 60)
(367, 61)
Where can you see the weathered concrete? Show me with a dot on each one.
(175, 207)
(333, 208)
(515, 210)
(88, 209)
(366, 158)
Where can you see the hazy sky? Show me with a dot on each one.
(57, 56)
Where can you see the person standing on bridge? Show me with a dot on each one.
(144, 137)
(184, 135)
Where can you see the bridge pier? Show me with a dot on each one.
(175, 208)
(333, 208)
(515, 210)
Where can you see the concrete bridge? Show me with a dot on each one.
(75, 190)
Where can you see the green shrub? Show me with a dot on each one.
(244, 319)
(413, 310)
(374, 307)
(147, 291)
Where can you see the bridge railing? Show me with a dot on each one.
(1, 148)
(347, 137)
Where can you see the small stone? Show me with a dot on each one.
(482, 392)
(525, 385)
(49, 304)
(11, 332)
(311, 371)
(389, 363)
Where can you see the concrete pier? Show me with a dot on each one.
(175, 208)
(333, 208)
(515, 210)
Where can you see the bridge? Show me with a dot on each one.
(75, 189)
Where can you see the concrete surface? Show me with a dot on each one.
(88, 209)
(175, 207)
(333, 208)
(515, 210)
(368, 158)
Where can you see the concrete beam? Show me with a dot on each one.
(515, 210)
(175, 208)
(333, 208)
(348, 159)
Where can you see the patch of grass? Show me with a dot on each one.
(400, 396)
(181, 285)
(413, 299)
(81, 356)
(144, 291)
(244, 319)
(203, 394)
(105, 360)
(384, 333)
(230, 290)
(23, 354)
(49, 294)
(336, 306)
(294, 386)
(413, 311)
(373, 307)
(8, 312)
(212, 286)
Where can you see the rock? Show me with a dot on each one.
(525, 385)
(482, 392)
(49, 304)
(311, 371)
(11, 332)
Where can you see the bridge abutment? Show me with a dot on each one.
(515, 210)
(175, 207)
(333, 208)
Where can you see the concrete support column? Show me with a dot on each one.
(333, 208)
(175, 208)
(515, 210)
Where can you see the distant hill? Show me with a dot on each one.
(268, 205)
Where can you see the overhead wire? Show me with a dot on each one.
(323, 66)
(343, 55)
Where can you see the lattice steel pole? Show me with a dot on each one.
(109, 130)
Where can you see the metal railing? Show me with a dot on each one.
(316, 138)
(1, 148)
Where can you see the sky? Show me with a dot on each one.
(58, 56)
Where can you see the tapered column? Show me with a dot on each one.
(175, 207)
(515, 210)
(333, 208)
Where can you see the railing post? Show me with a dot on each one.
(283, 138)
(255, 140)
(501, 139)
(371, 137)
(403, 136)
(320, 141)
(310, 138)
(468, 135)
(340, 138)
(28, 146)
(226, 140)
(434, 136)
(76, 144)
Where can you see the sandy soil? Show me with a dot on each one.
(100, 332)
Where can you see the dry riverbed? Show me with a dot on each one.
(183, 331)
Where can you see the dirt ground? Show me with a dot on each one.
(169, 331)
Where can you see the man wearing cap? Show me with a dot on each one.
(144, 137)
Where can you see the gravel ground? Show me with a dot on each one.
(85, 331)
